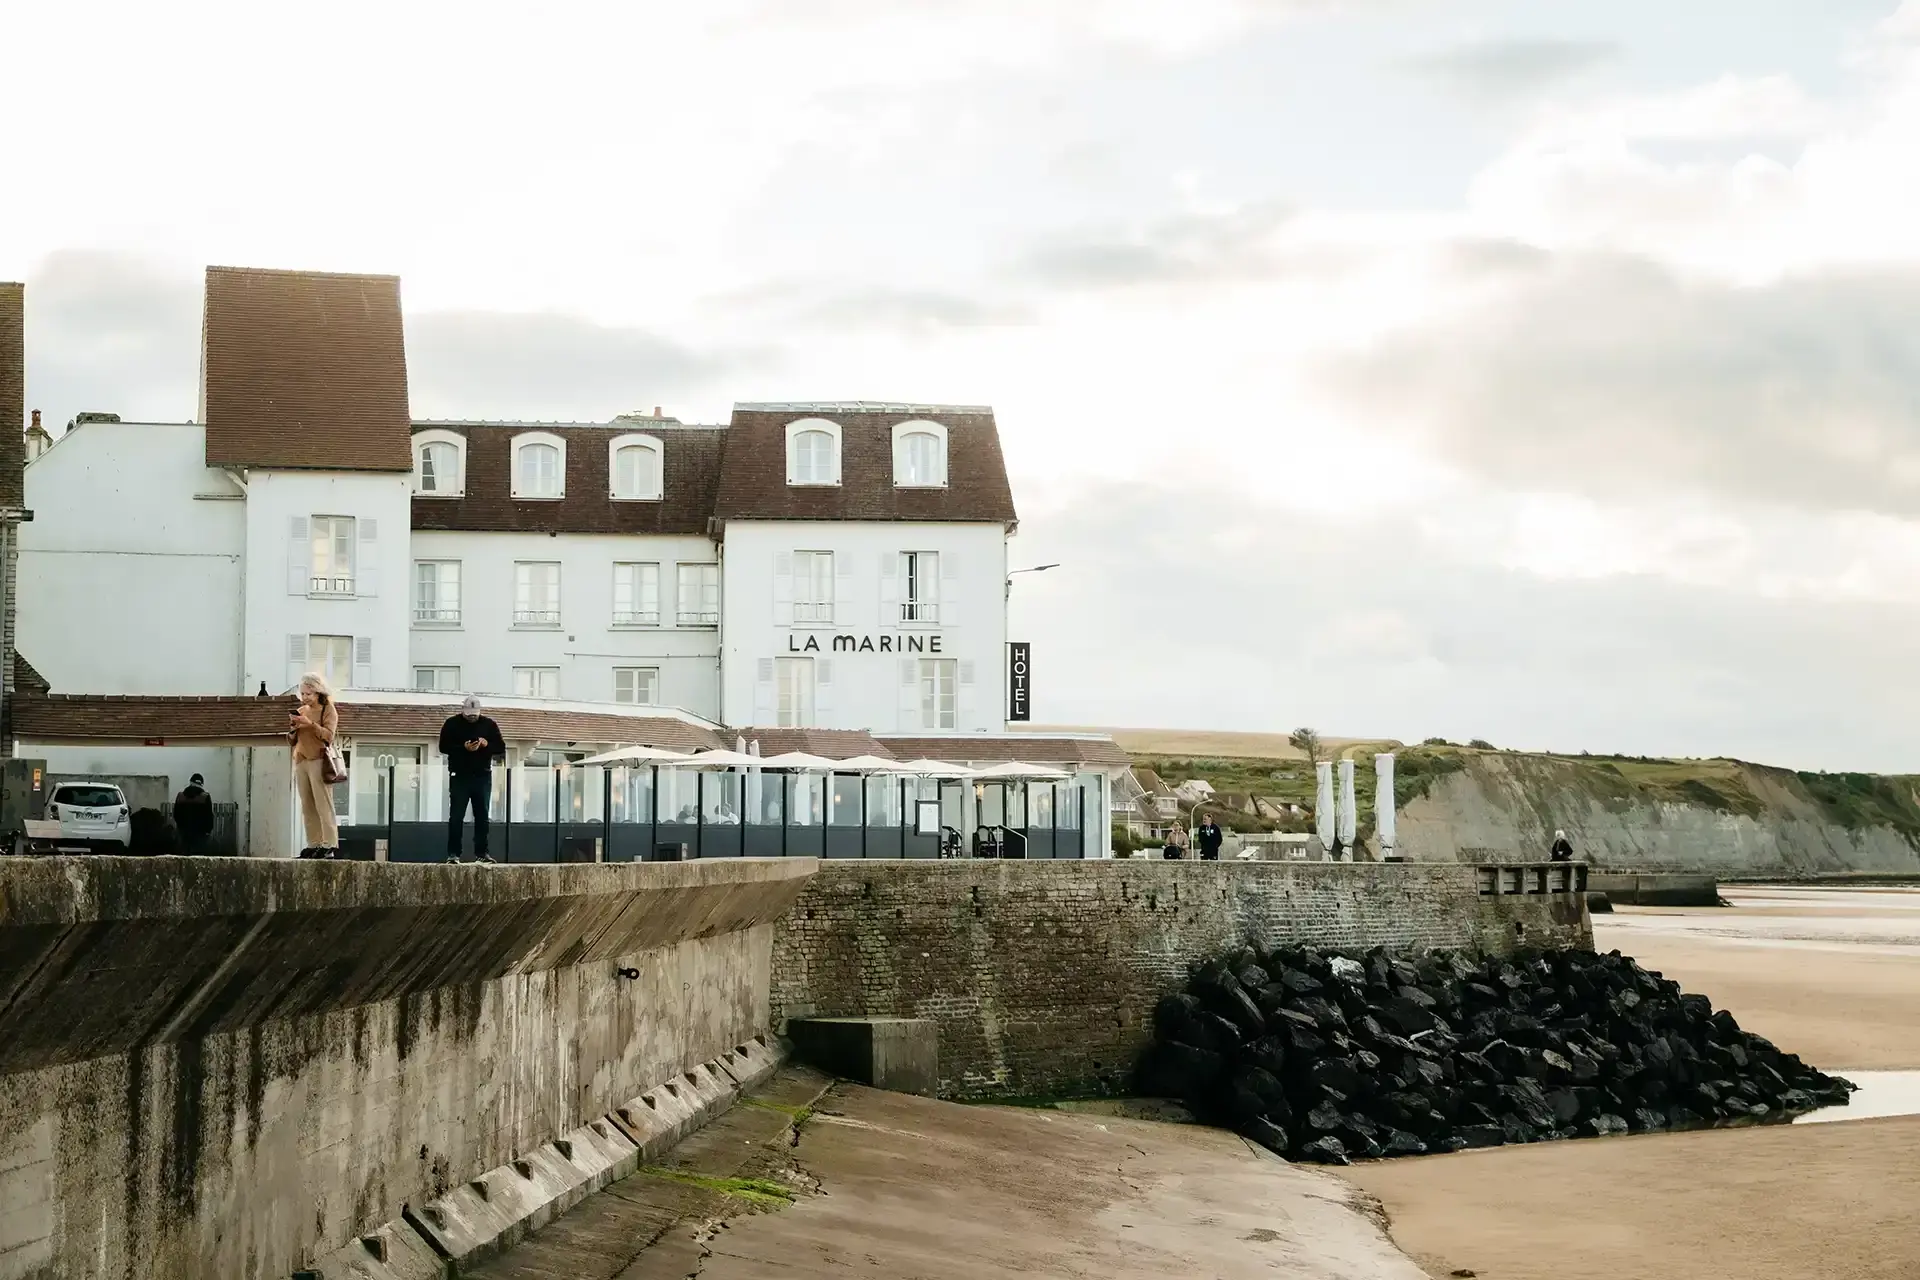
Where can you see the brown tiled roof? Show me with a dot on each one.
(25, 678)
(1028, 748)
(304, 369)
(690, 471)
(13, 392)
(753, 477)
(834, 744)
(174, 719)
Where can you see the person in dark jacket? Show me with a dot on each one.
(1562, 847)
(471, 743)
(1210, 840)
(193, 815)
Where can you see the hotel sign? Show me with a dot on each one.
(866, 644)
(1019, 678)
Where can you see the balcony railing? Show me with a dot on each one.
(636, 618)
(436, 615)
(699, 617)
(536, 617)
(919, 611)
(812, 611)
(339, 586)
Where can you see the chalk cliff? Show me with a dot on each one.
(1723, 817)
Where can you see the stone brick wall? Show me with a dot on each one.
(1043, 975)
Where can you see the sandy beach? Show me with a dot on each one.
(1831, 975)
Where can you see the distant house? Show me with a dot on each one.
(1159, 798)
(1195, 791)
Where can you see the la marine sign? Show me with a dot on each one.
(866, 644)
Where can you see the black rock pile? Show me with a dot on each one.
(1331, 1057)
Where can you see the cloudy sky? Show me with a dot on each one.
(1542, 372)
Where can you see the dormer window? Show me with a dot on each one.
(634, 464)
(539, 466)
(813, 452)
(920, 455)
(439, 464)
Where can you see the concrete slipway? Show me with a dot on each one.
(812, 1179)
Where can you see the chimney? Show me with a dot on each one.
(656, 411)
(38, 441)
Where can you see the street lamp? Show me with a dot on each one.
(1038, 568)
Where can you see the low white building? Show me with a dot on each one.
(805, 566)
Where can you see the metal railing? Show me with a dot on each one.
(536, 617)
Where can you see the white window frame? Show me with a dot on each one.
(521, 489)
(636, 441)
(327, 580)
(635, 678)
(800, 427)
(437, 614)
(706, 612)
(438, 679)
(922, 608)
(902, 432)
(939, 693)
(530, 613)
(795, 692)
(814, 587)
(337, 677)
(528, 682)
(636, 614)
(458, 443)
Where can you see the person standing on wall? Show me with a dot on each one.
(1562, 847)
(311, 729)
(1210, 840)
(193, 815)
(471, 743)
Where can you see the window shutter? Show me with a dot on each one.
(909, 701)
(842, 588)
(299, 563)
(783, 589)
(296, 659)
(366, 573)
(765, 671)
(963, 703)
(889, 588)
(822, 693)
(363, 662)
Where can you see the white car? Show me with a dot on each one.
(92, 817)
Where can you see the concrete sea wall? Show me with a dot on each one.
(231, 1067)
(1042, 976)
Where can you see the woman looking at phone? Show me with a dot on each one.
(311, 729)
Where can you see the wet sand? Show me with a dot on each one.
(1832, 976)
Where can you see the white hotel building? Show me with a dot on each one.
(798, 570)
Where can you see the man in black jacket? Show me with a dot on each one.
(193, 815)
(471, 743)
(1210, 840)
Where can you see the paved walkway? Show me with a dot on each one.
(900, 1188)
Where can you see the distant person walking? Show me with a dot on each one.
(1176, 846)
(1562, 847)
(311, 728)
(471, 743)
(193, 815)
(1210, 840)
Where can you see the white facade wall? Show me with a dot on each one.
(868, 688)
(278, 610)
(587, 646)
(130, 572)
